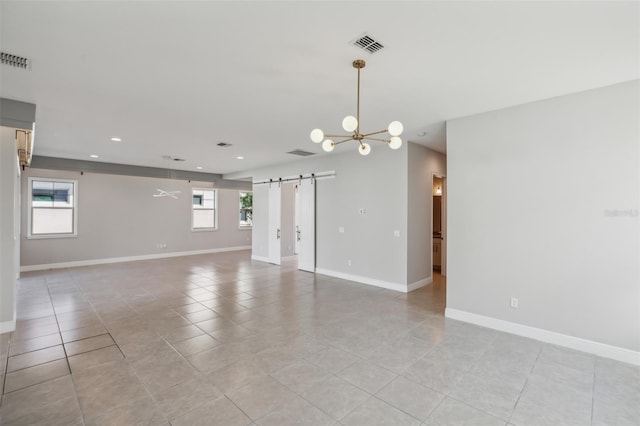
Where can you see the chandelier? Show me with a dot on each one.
(352, 124)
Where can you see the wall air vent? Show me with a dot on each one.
(368, 44)
(301, 153)
(178, 159)
(223, 144)
(14, 60)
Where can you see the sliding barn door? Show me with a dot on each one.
(273, 239)
(306, 234)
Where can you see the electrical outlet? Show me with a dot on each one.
(341, 229)
(396, 233)
(514, 302)
(362, 211)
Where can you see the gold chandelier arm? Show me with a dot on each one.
(374, 133)
(338, 136)
(378, 139)
(343, 141)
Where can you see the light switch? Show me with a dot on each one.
(362, 211)
(341, 229)
(396, 233)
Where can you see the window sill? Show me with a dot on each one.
(50, 236)
(204, 229)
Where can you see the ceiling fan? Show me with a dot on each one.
(163, 193)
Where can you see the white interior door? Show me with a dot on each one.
(273, 238)
(306, 235)
(296, 240)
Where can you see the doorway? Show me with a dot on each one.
(439, 222)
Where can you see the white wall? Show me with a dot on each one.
(531, 194)
(9, 223)
(376, 183)
(119, 217)
(422, 164)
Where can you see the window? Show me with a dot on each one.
(52, 208)
(203, 209)
(246, 209)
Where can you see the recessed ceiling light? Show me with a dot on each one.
(116, 140)
(240, 158)
(199, 167)
(93, 156)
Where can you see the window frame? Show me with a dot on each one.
(215, 210)
(74, 209)
(240, 225)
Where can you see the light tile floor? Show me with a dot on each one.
(222, 340)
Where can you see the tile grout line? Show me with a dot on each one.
(393, 406)
(593, 388)
(525, 384)
(4, 374)
(65, 351)
(66, 357)
(224, 395)
(39, 349)
(436, 408)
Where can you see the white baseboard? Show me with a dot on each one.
(416, 285)
(364, 280)
(8, 326)
(577, 343)
(288, 258)
(261, 259)
(91, 262)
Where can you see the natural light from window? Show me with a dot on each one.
(246, 209)
(203, 209)
(52, 208)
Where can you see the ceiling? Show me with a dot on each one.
(176, 78)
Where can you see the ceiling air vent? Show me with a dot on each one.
(368, 44)
(14, 61)
(301, 153)
(170, 158)
(224, 144)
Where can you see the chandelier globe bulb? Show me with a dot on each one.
(364, 148)
(328, 145)
(395, 128)
(350, 123)
(317, 135)
(395, 142)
